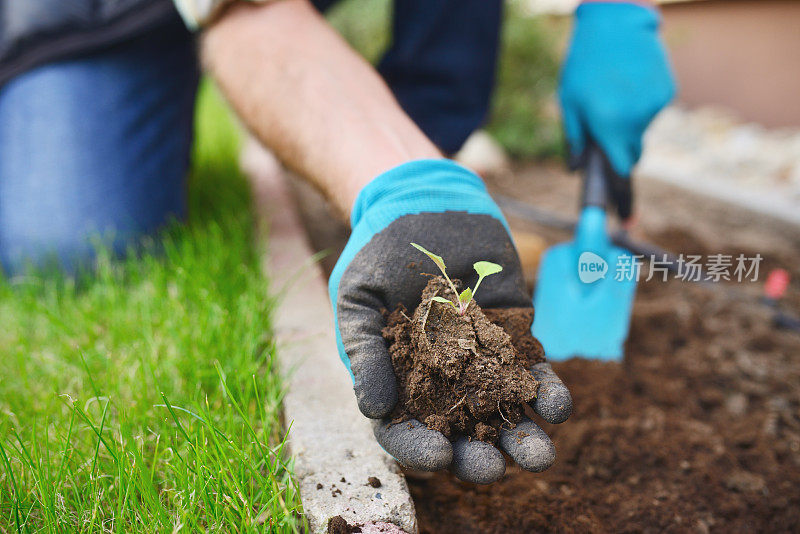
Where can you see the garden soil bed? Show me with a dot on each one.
(697, 431)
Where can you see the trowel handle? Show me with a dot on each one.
(591, 233)
(595, 185)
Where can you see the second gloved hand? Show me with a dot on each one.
(446, 208)
(615, 79)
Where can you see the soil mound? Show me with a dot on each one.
(462, 374)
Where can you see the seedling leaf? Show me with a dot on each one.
(465, 297)
(483, 268)
(444, 301)
(436, 259)
(440, 264)
(486, 268)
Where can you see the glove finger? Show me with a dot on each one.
(374, 381)
(413, 444)
(477, 461)
(360, 323)
(554, 401)
(529, 446)
(612, 129)
(574, 133)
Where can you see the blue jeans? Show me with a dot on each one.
(96, 147)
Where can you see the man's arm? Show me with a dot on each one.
(308, 96)
(328, 115)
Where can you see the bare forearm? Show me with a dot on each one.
(307, 95)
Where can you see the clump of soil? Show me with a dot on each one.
(462, 374)
(339, 525)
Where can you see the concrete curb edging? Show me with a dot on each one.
(332, 444)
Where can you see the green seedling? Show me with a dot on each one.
(483, 268)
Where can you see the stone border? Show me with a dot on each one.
(713, 153)
(335, 453)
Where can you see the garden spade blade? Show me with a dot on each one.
(585, 287)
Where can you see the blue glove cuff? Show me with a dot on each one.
(427, 185)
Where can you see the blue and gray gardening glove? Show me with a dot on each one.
(615, 79)
(447, 208)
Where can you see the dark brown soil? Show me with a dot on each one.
(698, 431)
(338, 525)
(462, 374)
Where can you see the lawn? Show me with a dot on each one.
(143, 398)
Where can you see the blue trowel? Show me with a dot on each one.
(585, 287)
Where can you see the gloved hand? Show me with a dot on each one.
(615, 79)
(444, 206)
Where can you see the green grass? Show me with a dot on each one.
(143, 398)
(366, 24)
(527, 75)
